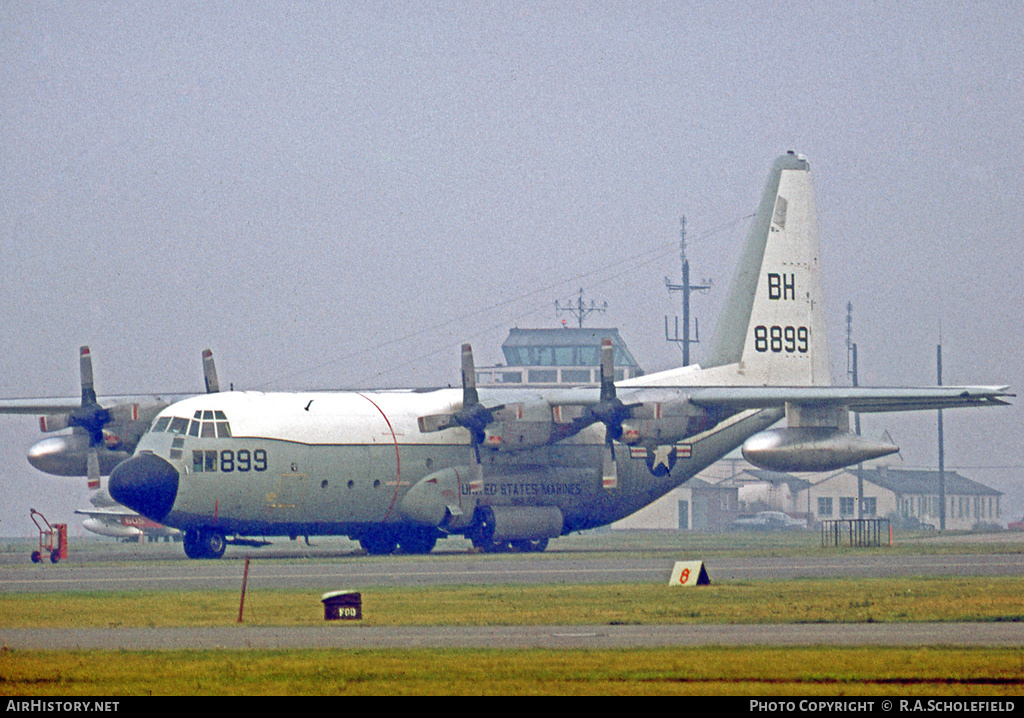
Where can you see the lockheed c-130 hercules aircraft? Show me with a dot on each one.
(508, 466)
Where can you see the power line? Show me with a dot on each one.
(622, 266)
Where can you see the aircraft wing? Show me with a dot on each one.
(859, 399)
(65, 404)
(40, 406)
(106, 513)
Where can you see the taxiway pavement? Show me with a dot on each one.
(351, 635)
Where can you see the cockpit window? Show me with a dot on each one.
(205, 424)
(178, 425)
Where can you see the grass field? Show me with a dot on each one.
(712, 670)
(843, 600)
(686, 671)
(690, 671)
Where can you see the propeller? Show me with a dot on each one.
(610, 411)
(90, 419)
(102, 436)
(473, 416)
(210, 373)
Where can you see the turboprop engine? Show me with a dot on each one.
(650, 421)
(811, 448)
(69, 456)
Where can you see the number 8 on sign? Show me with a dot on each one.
(689, 573)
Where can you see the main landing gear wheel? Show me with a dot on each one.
(417, 541)
(378, 542)
(530, 546)
(482, 534)
(204, 543)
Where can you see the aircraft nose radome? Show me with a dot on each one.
(145, 483)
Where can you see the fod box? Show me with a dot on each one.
(342, 605)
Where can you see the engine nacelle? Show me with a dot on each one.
(654, 421)
(811, 449)
(520, 426)
(68, 456)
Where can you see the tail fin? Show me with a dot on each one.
(773, 324)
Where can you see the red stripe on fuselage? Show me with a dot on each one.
(398, 458)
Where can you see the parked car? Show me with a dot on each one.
(769, 521)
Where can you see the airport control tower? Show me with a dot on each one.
(558, 357)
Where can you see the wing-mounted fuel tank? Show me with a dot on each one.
(816, 439)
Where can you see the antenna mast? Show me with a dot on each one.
(686, 288)
(579, 308)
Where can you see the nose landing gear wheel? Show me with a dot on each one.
(204, 543)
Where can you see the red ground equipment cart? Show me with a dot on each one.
(47, 534)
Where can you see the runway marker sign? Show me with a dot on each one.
(689, 573)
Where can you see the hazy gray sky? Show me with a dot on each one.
(339, 194)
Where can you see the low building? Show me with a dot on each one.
(717, 496)
(912, 495)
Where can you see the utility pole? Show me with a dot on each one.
(686, 288)
(579, 308)
(942, 456)
(851, 370)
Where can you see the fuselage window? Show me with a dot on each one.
(177, 446)
(204, 461)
